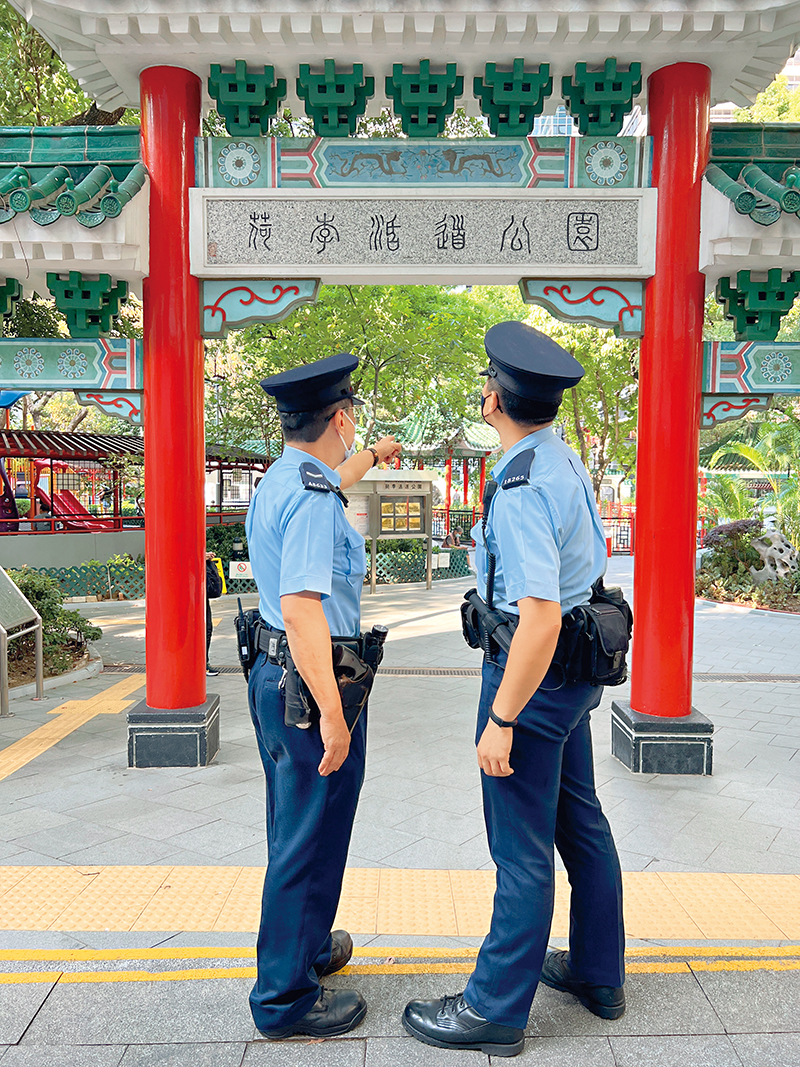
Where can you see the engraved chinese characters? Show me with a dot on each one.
(296, 232)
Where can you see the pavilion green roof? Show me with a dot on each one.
(428, 430)
(84, 172)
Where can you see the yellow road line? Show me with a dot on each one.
(721, 950)
(30, 977)
(715, 957)
(745, 965)
(69, 717)
(210, 973)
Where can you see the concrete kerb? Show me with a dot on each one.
(89, 670)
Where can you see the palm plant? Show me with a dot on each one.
(776, 449)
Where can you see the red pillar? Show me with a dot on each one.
(448, 490)
(669, 399)
(482, 480)
(173, 399)
(465, 469)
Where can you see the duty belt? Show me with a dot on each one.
(275, 643)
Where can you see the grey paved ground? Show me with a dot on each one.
(79, 802)
(710, 1020)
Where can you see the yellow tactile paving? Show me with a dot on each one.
(718, 903)
(69, 716)
(472, 898)
(190, 898)
(37, 899)
(414, 902)
(649, 901)
(773, 899)
(118, 895)
(242, 908)
(358, 907)
(389, 901)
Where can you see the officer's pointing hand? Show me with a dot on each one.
(387, 449)
(336, 739)
(494, 749)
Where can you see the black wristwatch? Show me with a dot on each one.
(375, 457)
(502, 722)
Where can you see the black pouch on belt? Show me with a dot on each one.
(600, 650)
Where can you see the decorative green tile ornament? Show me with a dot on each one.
(334, 100)
(424, 101)
(77, 196)
(10, 292)
(599, 100)
(512, 99)
(246, 99)
(88, 303)
(756, 307)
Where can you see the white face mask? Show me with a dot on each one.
(349, 450)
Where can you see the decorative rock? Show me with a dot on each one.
(778, 555)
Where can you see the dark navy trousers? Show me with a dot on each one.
(549, 800)
(309, 822)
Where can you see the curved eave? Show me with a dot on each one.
(105, 46)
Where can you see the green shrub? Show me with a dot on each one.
(731, 548)
(65, 633)
(219, 540)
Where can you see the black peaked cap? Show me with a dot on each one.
(528, 363)
(313, 386)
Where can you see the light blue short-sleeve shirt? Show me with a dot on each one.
(300, 541)
(547, 535)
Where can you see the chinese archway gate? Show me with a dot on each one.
(601, 227)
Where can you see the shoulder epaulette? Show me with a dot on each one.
(519, 469)
(313, 478)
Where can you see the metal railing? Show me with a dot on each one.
(16, 610)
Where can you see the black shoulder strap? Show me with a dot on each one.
(313, 478)
(516, 473)
(519, 470)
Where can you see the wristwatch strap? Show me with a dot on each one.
(502, 722)
(375, 457)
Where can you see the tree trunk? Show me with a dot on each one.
(78, 419)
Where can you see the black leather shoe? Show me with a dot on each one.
(341, 951)
(451, 1023)
(336, 1012)
(606, 1001)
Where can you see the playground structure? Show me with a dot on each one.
(78, 482)
(619, 231)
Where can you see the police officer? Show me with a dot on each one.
(309, 566)
(533, 741)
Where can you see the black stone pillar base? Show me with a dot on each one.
(651, 744)
(173, 737)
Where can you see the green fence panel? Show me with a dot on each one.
(397, 567)
(240, 586)
(127, 579)
(86, 580)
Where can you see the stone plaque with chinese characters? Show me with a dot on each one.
(422, 238)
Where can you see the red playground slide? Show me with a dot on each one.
(66, 503)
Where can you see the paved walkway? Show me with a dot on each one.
(128, 898)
